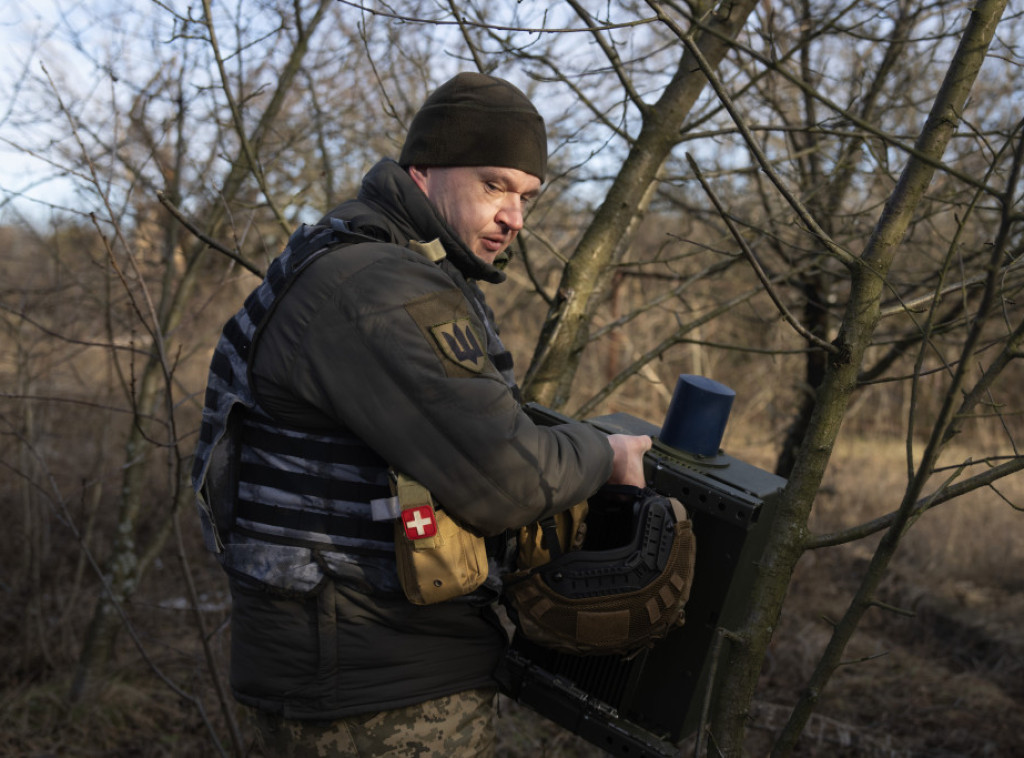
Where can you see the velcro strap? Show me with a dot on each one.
(549, 537)
(385, 508)
(411, 493)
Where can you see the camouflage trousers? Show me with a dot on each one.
(456, 726)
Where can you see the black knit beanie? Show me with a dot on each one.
(477, 120)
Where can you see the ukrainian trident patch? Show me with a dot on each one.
(460, 344)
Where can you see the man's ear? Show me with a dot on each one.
(419, 175)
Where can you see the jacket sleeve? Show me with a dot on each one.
(381, 342)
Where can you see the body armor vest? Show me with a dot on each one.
(283, 506)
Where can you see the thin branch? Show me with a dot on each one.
(236, 116)
(464, 30)
(653, 302)
(892, 609)
(656, 351)
(223, 697)
(612, 56)
(756, 265)
(1010, 271)
(938, 497)
(205, 238)
(837, 250)
(498, 27)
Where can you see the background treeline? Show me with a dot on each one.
(816, 203)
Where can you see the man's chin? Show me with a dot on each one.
(486, 256)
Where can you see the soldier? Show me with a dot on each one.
(367, 354)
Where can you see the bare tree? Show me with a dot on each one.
(846, 355)
(738, 187)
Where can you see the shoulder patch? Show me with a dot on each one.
(460, 343)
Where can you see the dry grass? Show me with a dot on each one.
(121, 718)
(946, 680)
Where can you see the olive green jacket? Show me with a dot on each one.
(392, 340)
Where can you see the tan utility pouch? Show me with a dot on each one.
(437, 558)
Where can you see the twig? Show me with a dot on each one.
(205, 238)
(756, 264)
(464, 29)
(673, 339)
(236, 116)
(498, 27)
(892, 609)
(833, 247)
(612, 56)
(211, 665)
(943, 495)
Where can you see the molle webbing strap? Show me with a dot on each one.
(227, 384)
(312, 522)
(300, 488)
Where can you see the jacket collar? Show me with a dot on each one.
(389, 188)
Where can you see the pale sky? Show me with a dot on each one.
(33, 35)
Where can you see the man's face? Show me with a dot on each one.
(484, 205)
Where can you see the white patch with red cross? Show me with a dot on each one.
(419, 522)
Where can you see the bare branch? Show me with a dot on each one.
(686, 38)
(942, 495)
(755, 264)
(497, 27)
(247, 149)
(200, 235)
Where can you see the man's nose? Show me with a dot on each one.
(511, 214)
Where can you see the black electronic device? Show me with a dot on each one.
(646, 704)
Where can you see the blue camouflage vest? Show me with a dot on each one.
(280, 506)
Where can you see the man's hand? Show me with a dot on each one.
(628, 461)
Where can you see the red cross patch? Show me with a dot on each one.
(419, 522)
